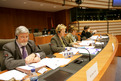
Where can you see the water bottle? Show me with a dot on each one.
(33, 75)
(69, 54)
(66, 53)
(100, 36)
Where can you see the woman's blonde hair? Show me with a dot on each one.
(72, 28)
(60, 27)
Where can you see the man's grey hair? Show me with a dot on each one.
(21, 29)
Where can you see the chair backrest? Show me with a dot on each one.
(47, 49)
(37, 34)
(3, 42)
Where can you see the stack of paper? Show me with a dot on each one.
(86, 42)
(12, 74)
(53, 63)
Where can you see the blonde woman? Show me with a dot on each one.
(58, 42)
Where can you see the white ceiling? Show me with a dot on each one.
(33, 5)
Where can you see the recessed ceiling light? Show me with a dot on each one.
(54, 6)
(24, 2)
(41, 4)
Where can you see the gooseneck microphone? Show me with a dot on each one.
(88, 53)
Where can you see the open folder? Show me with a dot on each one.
(52, 63)
(27, 68)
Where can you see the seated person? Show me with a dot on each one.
(52, 31)
(45, 31)
(58, 42)
(22, 51)
(87, 33)
(71, 37)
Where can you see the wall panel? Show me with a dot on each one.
(12, 18)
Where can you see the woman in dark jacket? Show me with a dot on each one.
(87, 33)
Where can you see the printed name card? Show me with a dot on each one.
(92, 72)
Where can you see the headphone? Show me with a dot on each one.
(16, 37)
(59, 30)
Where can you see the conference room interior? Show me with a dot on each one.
(41, 17)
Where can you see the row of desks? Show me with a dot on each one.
(106, 62)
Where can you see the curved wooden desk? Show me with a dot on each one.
(105, 61)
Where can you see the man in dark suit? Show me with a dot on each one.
(22, 51)
(58, 42)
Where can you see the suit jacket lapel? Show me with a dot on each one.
(28, 49)
(17, 50)
(59, 41)
(64, 41)
(70, 35)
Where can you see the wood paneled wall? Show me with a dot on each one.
(12, 18)
(62, 17)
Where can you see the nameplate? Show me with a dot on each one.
(113, 46)
(92, 72)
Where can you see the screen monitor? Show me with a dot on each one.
(58, 76)
(116, 3)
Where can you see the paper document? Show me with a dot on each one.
(99, 43)
(94, 37)
(42, 70)
(86, 42)
(104, 36)
(12, 74)
(30, 66)
(53, 63)
(88, 50)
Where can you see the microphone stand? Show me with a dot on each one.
(88, 53)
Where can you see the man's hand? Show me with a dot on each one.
(30, 58)
(36, 59)
(94, 31)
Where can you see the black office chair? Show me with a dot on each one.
(47, 49)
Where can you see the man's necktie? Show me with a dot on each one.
(24, 52)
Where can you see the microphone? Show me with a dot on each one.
(101, 44)
(88, 53)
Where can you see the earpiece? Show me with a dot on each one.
(59, 28)
(16, 37)
(58, 31)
